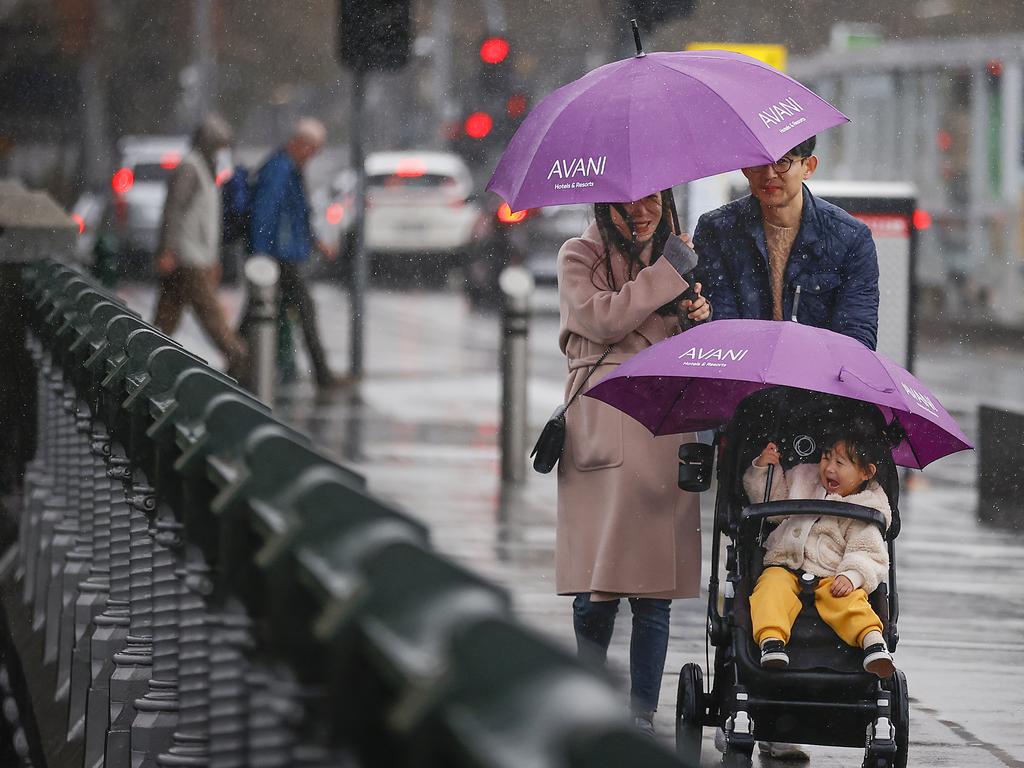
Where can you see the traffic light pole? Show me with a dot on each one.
(357, 285)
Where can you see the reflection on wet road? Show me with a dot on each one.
(424, 429)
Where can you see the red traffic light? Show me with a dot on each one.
(478, 125)
(494, 50)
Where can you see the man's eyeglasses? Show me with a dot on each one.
(780, 166)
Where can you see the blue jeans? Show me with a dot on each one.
(594, 622)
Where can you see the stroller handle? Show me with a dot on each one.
(815, 507)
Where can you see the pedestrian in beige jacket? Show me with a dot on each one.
(624, 527)
(188, 256)
(848, 557)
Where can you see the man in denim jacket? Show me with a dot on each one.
(781, 252)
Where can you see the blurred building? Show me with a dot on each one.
(134, 66)
(78, 74)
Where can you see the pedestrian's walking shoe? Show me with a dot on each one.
(773, 654)
(720, 741)
(781, 750)
(878, 661)
(644, 722)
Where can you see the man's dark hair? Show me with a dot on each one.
(805, 148)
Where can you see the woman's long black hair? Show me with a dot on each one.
(629, 247)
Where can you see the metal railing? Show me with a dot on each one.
(195, 584)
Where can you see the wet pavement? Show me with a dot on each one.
(423, 427)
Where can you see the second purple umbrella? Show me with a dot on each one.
(696, 380)
(652, 121)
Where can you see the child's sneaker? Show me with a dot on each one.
(773, 653)
(877, 660)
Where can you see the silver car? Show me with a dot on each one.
(420, 210)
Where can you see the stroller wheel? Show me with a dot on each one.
(690, 709)
(900, 717)
(900, 703)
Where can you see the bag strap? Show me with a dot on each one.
(584, 382)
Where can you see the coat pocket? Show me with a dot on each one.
(594, 434)
(820, 282)
(817, 297)
(828, 550)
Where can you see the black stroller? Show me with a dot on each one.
(824, 696)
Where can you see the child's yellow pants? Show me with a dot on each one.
(775, 605)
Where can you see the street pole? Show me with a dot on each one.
(204, 63)
(494, 11)
(357, 286)
(97, 155)
(442, 53)
(517, 292)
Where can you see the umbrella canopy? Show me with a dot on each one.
(646, 123)
(695, 381)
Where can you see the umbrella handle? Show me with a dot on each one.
(678, 229)
(768, 483)
(689, 293)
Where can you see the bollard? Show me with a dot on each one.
(261, 275)
(517, 290)
(1000, 478)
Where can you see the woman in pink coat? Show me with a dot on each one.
(624, 527)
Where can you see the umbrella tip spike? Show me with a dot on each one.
(636, 38)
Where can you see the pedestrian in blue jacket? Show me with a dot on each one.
(781, 253)
(280, 228)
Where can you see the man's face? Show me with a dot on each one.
(302, 150)
(778, 185)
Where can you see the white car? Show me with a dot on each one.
(418, 202)
(419, 208)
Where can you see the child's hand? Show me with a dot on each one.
(770, 455)
(841, 587)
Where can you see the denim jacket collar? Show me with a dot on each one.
(808, 237)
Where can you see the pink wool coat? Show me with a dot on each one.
(624, 527)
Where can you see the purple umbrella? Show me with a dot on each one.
(695, 381)
(646, 123)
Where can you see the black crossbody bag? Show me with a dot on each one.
(548, 449)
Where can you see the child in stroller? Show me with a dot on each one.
(842, 559)
(824, 696)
